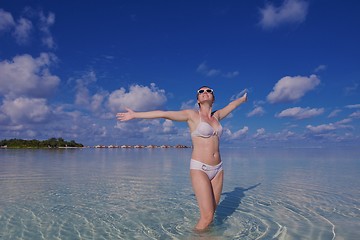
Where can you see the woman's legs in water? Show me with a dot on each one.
(208, 195)
(217, 184)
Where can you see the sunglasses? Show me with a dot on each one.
(209, 90)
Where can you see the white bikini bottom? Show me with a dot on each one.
(211, 171)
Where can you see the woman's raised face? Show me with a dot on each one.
(205, 93)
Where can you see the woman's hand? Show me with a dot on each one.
(125, 116)
(244, 97)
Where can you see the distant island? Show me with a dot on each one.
(50, 143)
(61, 143)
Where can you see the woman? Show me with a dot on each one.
(205, 165)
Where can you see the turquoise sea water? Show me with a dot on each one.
(146, 194)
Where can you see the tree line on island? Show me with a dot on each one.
(50, 143)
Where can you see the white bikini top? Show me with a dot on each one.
(205, 130)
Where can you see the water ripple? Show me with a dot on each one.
(96, 197)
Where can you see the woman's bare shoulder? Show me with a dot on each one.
(192, 113)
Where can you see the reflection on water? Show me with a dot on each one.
(146, 194)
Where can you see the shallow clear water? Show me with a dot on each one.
(146, 194)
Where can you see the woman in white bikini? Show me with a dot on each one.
(205, 165)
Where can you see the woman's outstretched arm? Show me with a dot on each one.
(222, 113)
(171, 115)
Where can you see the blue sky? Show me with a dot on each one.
(67, 67)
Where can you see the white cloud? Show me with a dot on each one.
(103, 104)
(139, 98)
(28, 76)
(353, 106)
(284, 135)
(355, 114)
(82, 96)
(257, 111)
(22, 28)
(85, 99)
(292, 88)
(320, 68)
(238, 134)
(330, 127)
(204, 69)
(351, 89)
(22, 31)
(231, 74)
(168, 126)
(260, 133)
(321, 128)
(191, 104)
(291, 11)
(6, 21)
(97, 100)
(300, 113)
(154, 131)
(344, 121)
(4, 120)
(26, 110)
(334, 113)
(45, 23)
